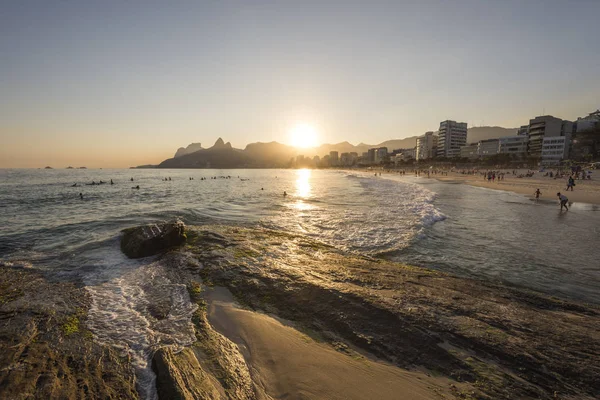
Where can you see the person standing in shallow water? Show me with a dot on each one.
(537, 194)
(563, 201)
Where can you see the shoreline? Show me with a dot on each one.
(586, 192)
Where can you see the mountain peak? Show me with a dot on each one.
(182, 151)
(220, 144)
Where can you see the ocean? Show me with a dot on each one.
(455, 228)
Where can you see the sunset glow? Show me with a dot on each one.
(303, 135)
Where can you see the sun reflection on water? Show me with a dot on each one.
(303, 189)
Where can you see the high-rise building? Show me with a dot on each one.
(371, 156)
(380, 154)
(426, 147)
(546, 126)
(452, 136)
(334, 158)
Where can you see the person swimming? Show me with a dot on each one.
(131, 179)
(74, 185)
(81, 196)
(111, 182)
(137, 187)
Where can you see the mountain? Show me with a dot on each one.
(188, 150)
(221, 155)
(271, 154)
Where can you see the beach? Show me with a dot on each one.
(585, 191)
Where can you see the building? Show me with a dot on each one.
(348, 159)
(589, 123)
(452, 136)
(487, 148)
(515, 146)
(370, 156)
(523, 130)
(334, 159)
(469, 151)
(405, 155)
(426, 146)
(546, 126)
(380, 154)
(554, 149)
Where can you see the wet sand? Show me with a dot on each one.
(287, 364)
(585, 191)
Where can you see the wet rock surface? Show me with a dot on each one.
(504, 342)
(179, 376)
(46, 351)
(148, 240)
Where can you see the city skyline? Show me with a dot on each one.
(121, 84)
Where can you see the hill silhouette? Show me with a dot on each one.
(278, 155)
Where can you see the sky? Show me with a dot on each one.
(124, 83)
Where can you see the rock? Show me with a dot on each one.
(179, 376)
(147, 240)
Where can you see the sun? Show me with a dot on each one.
(303, 135)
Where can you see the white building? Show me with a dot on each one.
(452, 136)
(426, 146)
(486, 148)
(513, 145)
(555, 149)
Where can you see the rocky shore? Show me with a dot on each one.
(363, 324)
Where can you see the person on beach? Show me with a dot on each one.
(570, 183)
(563, 201)
(537, 194)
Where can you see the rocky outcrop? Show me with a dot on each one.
(179, 376)
(46, 350)
(147, 240)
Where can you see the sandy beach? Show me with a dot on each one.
(587, 191)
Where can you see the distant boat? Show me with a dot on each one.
(48, 168)
(69, 167)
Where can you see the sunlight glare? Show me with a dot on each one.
(302, 183)
(303, 135)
